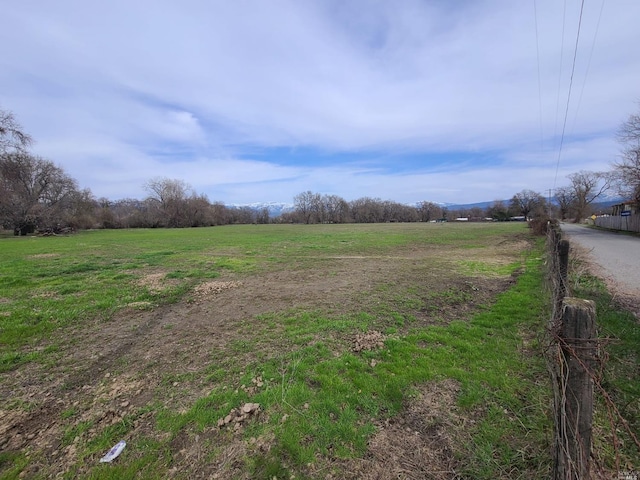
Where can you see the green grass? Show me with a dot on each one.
(319, 400)
(50, 283)
(329, 402)
(619, 332)
(475, 267)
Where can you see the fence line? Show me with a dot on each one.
(629, 224)
(575, 367)
(571, 357)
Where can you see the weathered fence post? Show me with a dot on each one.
(574, 408)
(563, 267)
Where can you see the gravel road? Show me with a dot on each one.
(618, 255)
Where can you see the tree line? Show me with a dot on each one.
(575, 202)
(38, 195)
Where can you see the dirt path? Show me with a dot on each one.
(616, 255)
(613, 257)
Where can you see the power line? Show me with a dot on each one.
(566, 112)
(564, 22)
(535, 14)
(593, 44)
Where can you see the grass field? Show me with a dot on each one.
(371, 351)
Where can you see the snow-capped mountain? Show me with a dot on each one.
(278, 208)
(275, 208)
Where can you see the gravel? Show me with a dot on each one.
(618, 255)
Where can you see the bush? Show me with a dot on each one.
(540, 225)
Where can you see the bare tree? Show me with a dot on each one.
(105, 216)
(243, 215)
(171, 197)
(34, 193)
(307, 205)
(367, 210)
(335, 208)
(399, 212)
(565, 197)
(81, 211)
(429, 211)
(263, 216)
(197, 212)
(12, 137)
(219, 214)
(627, 169)
(587, 187)
(527, 202)
(476, 214)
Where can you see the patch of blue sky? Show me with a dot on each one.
(172, 152)
(390, 161)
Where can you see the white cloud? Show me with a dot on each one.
(118, 92)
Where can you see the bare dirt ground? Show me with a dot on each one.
(418, 444)
(104, 371)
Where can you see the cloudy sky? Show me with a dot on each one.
(258, 100)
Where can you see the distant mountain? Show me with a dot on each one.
(278, 208)
(275, 208)
(605, 203)
(467, 206)
(440, 204)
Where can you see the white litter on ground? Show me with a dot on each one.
(114, 452)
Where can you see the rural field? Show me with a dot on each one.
(275, 351)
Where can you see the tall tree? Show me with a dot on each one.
(12, 137)
(527, 202)
(307, 206)
(82, 209)
(263, 216)
(588, 186)
(498, 211)
(219, 214)
(627, 168)
(34, 193)
(170, 196)
(566, 199)
(335, 208)
(429, 211)
(367, 210)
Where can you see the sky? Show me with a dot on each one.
(456, 101)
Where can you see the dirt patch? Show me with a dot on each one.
(419, 443)
(44, 255)
(139, 305)
(156, 282)
(229, 460)
(368, 341)
(211, 288)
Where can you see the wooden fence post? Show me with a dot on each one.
(574, 408)
(559, 270)
(563, 266)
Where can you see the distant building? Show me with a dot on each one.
(624, 207)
